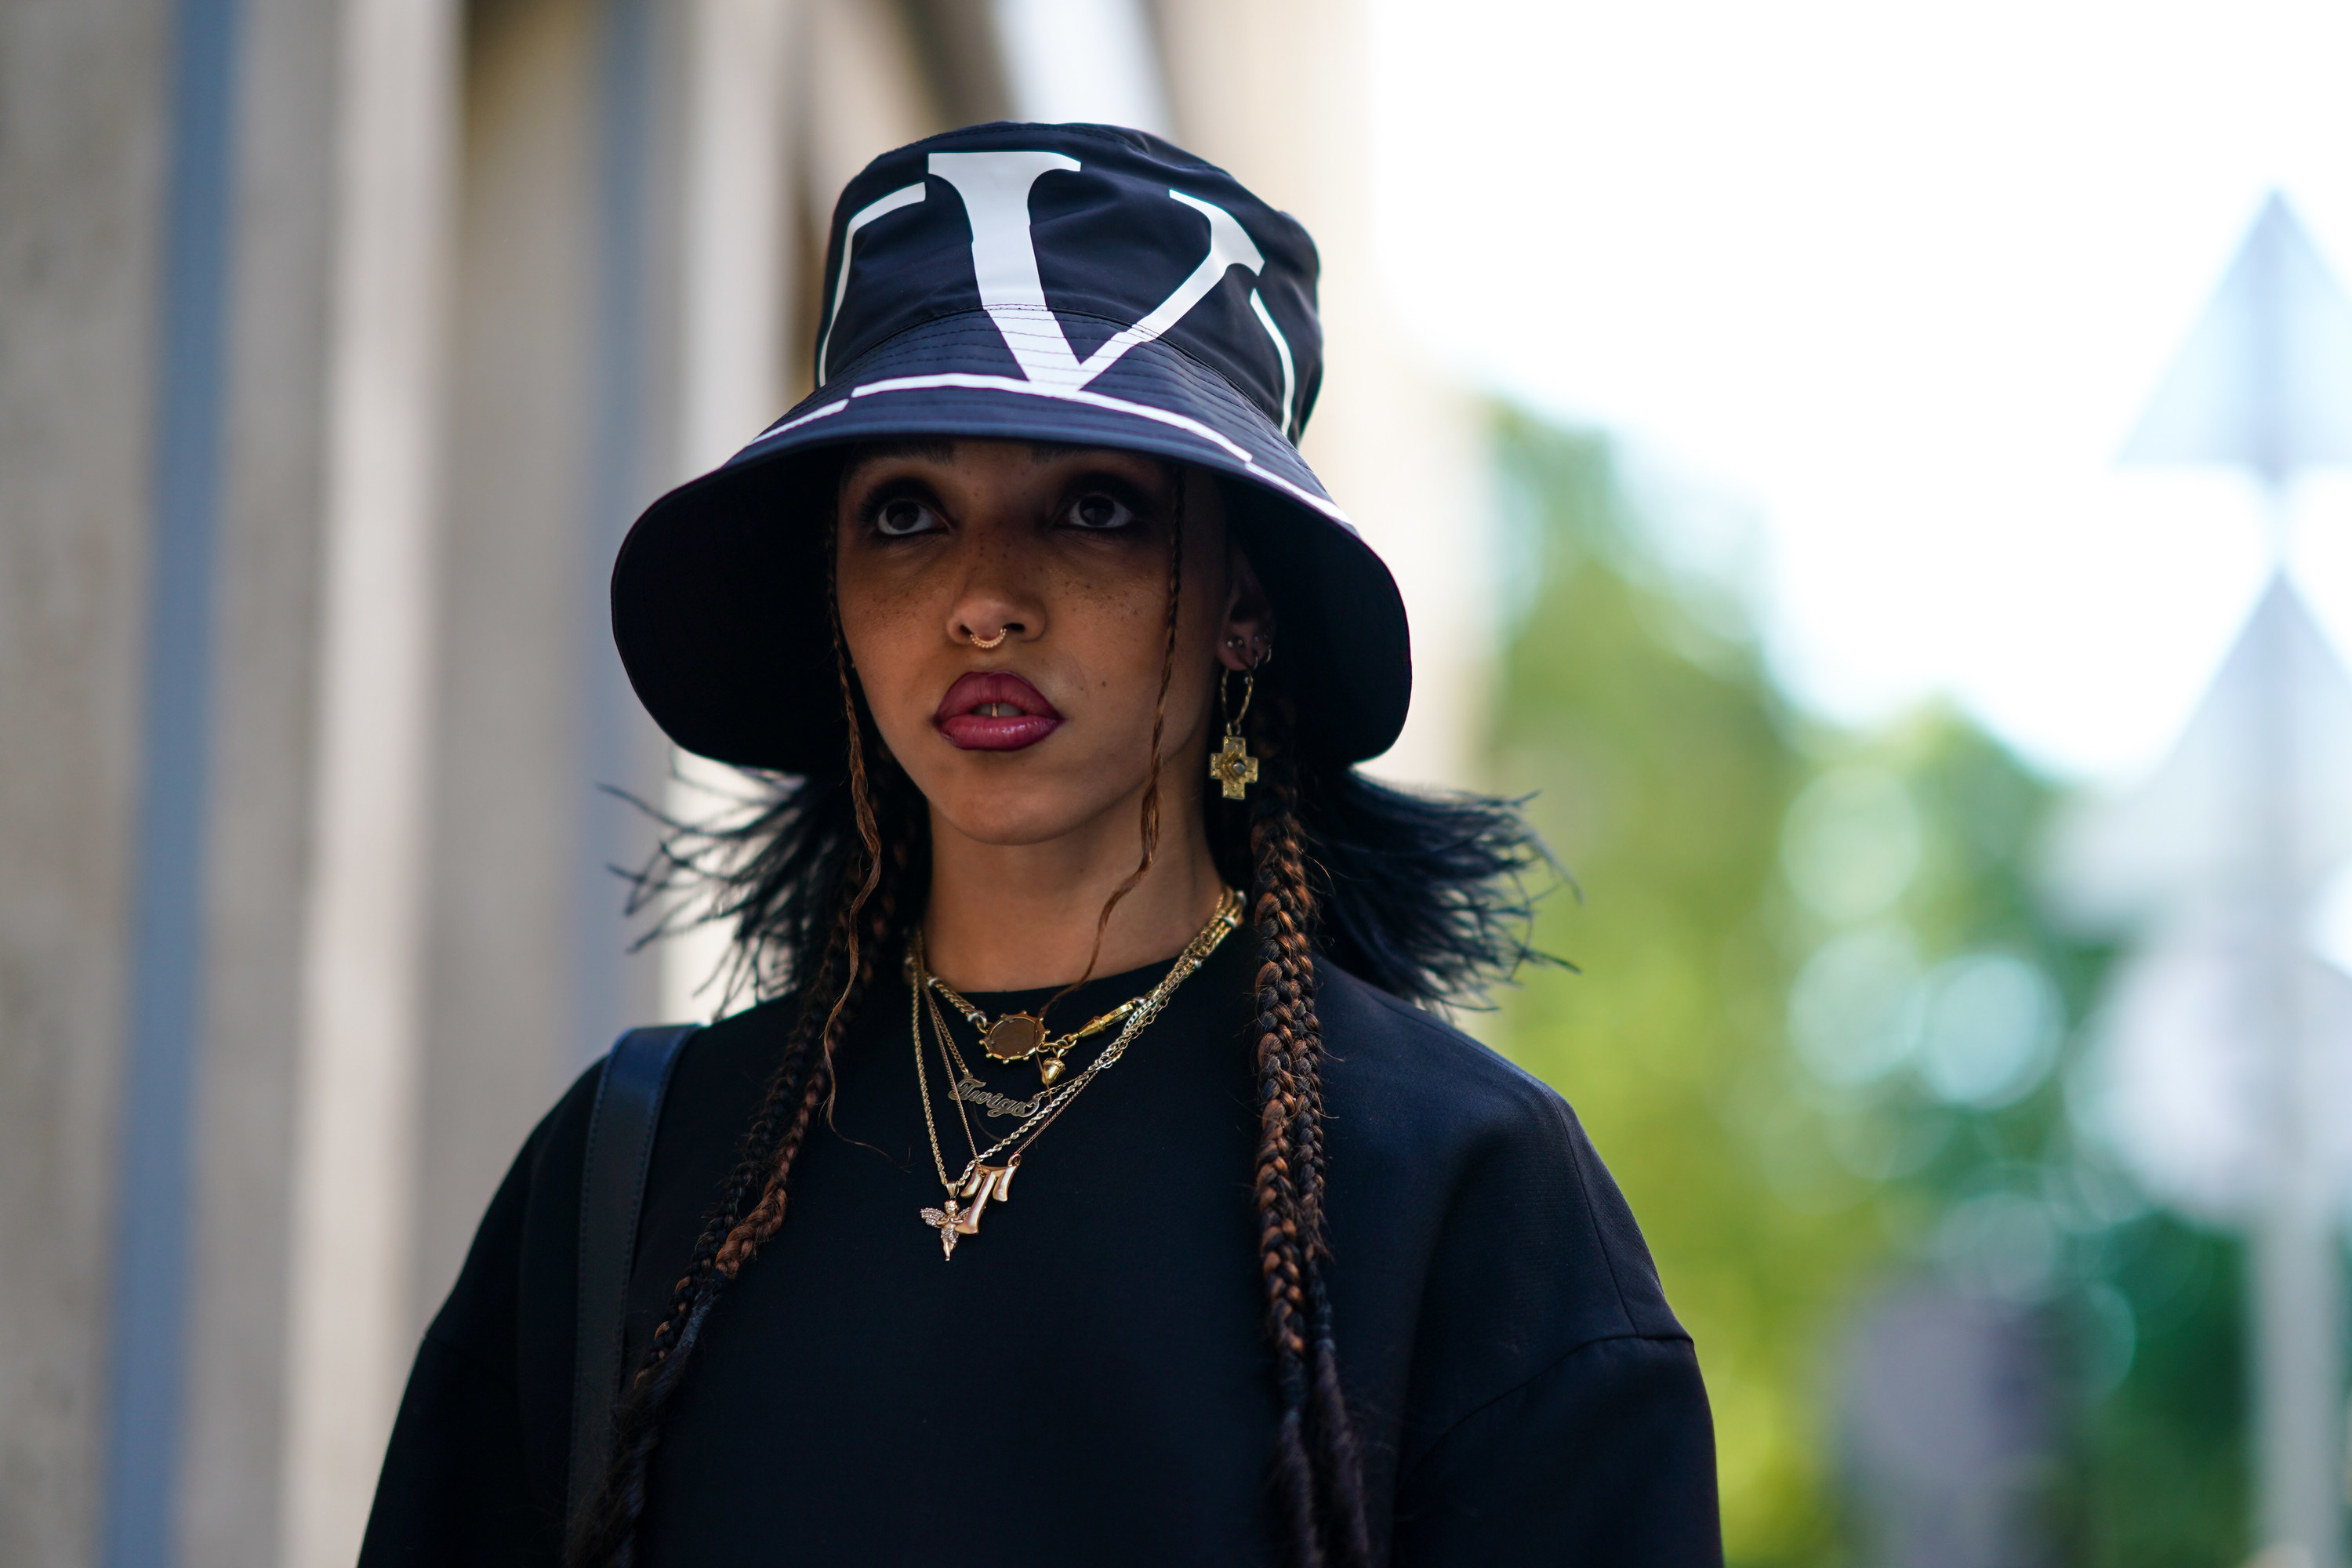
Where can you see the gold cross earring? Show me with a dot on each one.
(1233, 766)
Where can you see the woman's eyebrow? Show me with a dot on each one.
(926, 448)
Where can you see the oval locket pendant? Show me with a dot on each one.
(1013, 1038)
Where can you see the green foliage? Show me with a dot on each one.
(1720, 845)
(1662, 766)
(2163, 1477)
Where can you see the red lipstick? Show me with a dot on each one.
(994, 711)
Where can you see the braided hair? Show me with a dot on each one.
(1318, 1482)
(1422, 895)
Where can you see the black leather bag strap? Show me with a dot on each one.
(612, 1191)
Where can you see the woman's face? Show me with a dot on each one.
(1063, 553)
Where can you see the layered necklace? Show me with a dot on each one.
(987, 1177)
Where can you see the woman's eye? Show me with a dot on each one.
(898, 517)
(1099, 513)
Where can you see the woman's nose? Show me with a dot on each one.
(997, 602)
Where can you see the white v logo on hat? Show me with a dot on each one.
(995, 191)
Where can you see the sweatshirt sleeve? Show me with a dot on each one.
(1556, 1412)
(1605, 1459)
(466, 1478)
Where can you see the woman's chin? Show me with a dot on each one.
(1008, 812)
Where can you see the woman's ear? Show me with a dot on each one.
(1246, 637)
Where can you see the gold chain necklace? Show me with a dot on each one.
(1022, 1036)
(981, 1183)
(969, 1089)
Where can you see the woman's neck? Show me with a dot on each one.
(1017, 917)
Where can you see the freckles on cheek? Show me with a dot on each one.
(884, 651)
(880, 618)
(1121, 634)
(879, 633)
(872, 602)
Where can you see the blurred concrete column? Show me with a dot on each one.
(1277, 95)
(352, 1182)
(859, 101)
(85, 110)
(216, 308)
(298, 1243)
(196, 1478)
(201, 1376)
(736, 267)
(558, 421)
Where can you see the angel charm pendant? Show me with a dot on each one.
(979, 1185)
(949, 1222)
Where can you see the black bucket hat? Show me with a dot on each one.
(1079, 284)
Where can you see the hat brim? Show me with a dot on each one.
(719, 597)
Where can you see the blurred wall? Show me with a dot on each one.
(339, 343)
(511, 996)
(84, 146)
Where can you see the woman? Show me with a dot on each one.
(1061, 656)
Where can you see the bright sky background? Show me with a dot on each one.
(1893, 282)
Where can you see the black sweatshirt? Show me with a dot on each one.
(1087, 1381)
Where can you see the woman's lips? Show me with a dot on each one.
(995, 711)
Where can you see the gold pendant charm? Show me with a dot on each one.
(1050, 1070)
(950, 1222)
(983, 1182)
(1014, 1036)
(1233, 767)
(979, 1185)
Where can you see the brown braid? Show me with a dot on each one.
(1317, 1475)
(754, 1229)
(605, 1532)
(860, 793)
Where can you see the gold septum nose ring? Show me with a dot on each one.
(996, 641)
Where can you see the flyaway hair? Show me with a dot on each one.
(1428, 896)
